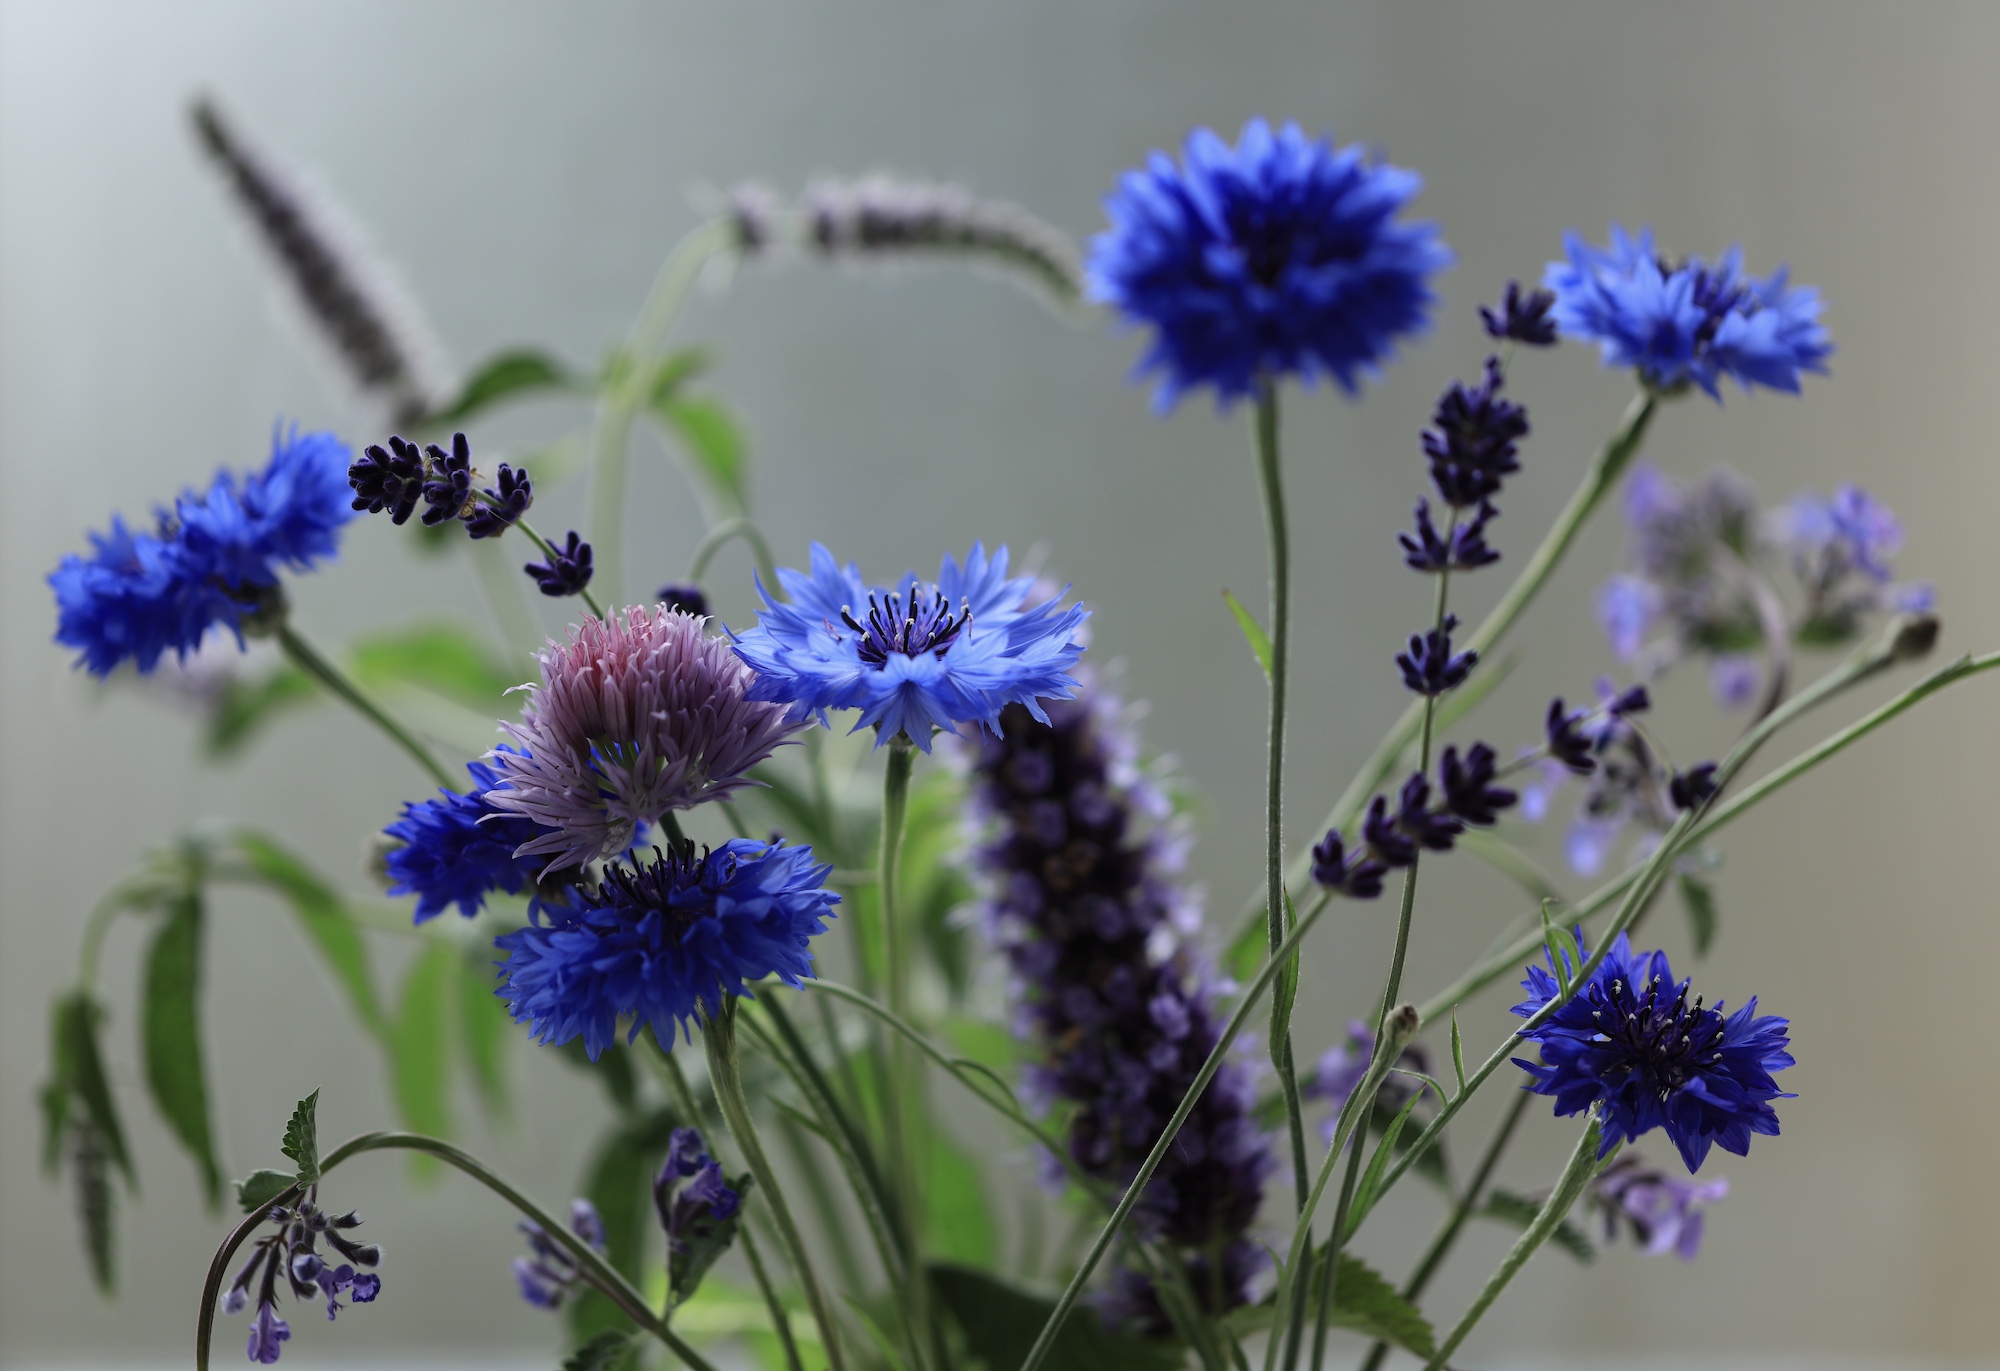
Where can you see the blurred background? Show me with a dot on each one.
(526, 167)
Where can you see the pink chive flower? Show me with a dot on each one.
(631, 720)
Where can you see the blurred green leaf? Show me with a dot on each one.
(81, 1063)
(509, 374)
(1365, 1302)
(705, 1240)
(1253, 632)
(619, 1181)
(1000, 1323)
(420, 1046)
(96, 1203)
(956, 1213)
(170, 1014)
(301, 1142)
(1378, 1166)
(259, 1188)
(606, 1351)
(713, 442)
(245, 706)
(443, 658)
(1699, 897)
(1518, 1211)
(325, 921)
(485, 1030)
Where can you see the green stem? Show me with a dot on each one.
(780, 1321)
(308, 659)
(719, 1038)
(628, 391)
(1271, 481)
(549, 552)
(1583, 1164)
(600, 1273)
(718, 537)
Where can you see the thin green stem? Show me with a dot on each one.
(902, 1100)
(307, 658)
(719, 1038)
(781, 1322)
(549, 552)
(600, 1273)
(1576, 1174)
(719, 537)
(1271, 481)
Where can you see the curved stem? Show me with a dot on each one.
(719, 1038)
(718, 537)
(600, 1273)
(549, 552)
(1271, 481)
(308, 659)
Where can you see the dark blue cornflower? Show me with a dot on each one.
(500, 505)
(1465, 550)
(1522, 318)
(1468, 785)
(1110, 984)
(653, 945)
(292, 1255)
(212, 559)
(1429, 666)
(458, 849)
(548, 1277)
(1280, 256)
(568, 569)
(1474, 439)
(1630, 1041)
(913, 658)
(1687, 323)
(688, 599)
(1694, 787)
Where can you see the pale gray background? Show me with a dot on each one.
(528, 165)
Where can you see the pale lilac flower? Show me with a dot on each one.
(1734, 678)
(1626, 608)
(631, 720)
(1662, 1213)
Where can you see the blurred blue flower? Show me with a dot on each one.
(1279, 256)
(457, 849)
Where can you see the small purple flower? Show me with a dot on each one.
(1734, 678)
(267, 1331)
(1662, 1213)
(1694, 787)
(549, 1275)
(1523, 318)
(568, 569)
(500, 506)
(1568, 744)
(290, 1258)
(1465, 550)
(1626, 609)
(1342, 1066)
(1474, 438)
(1429, 666)
(1468, 785)
(688, 599)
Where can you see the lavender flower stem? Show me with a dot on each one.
(307, 658)
(597, 1271)
(1583, 1164)
(1270, 474)
(718, 1035)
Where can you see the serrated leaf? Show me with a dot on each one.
(420, 1045)
(1000, 1323)
(484, 1031)
(170, 1016)
(713, 442)
(1365, 1302)
(1253, 632)
(96, 1202)
(508, 374)
(325, 922)
(703, 1243)
(79, 1018)
(259, 1188)
(57, 1089)
(301, 1142)
(1518, 1211)
(606, 1351)
(442, 658)
(1699, 897)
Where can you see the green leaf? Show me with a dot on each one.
(1253, 632)
(1000, 1323)
(420, 1045)
(613, 1069)
(619, 1181)
(1564, 955)
(1518, 1211)
(1378, 1166)
(1457, 1052)
(78, 1018)
(957, 1217)
(325, 921)
(259, 1188)
(484, 1031)
(607, 1351)
(301, 1142)
(1365, 1302)
(509, 374)
(443, 658)
(1285, 993)
(57, 1089)
(170, 1015)
(675, 370)
(1699, 897)
(713, 443)
(244, 706)
(705, 1240)
(96, 1201)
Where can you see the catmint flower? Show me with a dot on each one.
(1662, 1213)
(502, 504)
(1695, 553)
(291, 1258)
(550, 1275)
(1469, 791)
(1626, 609)
(1466, 549)
(1630, 1042)
(1840, 549)
(1473, 442)
(688, 599)
(349, 299)
(1522, 318)
(1689, 323)
(880, 215)
(211, 560)
(632, 719)
(1691, 789)
(1734, 679)
(656, 944)
(1279, 256)
(568, 569)
(1429, 666)
(916, 658)
(1078, 854)
(457, 849)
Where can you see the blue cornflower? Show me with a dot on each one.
(1278, 256)
(1630, 1041)
(212, 559)
(917, 658)
(457, 849)
(654, 944)
(1690, 322)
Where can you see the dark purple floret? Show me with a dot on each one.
(1430, 667)
(688, 599)
(501, 504)
(1434, 830)
(568, 569)
(1631, 700)
(291, 1255)
(390, 478)
(1386, 843)
(1465, 550)
(1522, 318)
(1468, 786)
(1693, 788)
(1121, 1007)
(1472, 445)
(449, 486)
(1356, 875)
(1568, 743)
